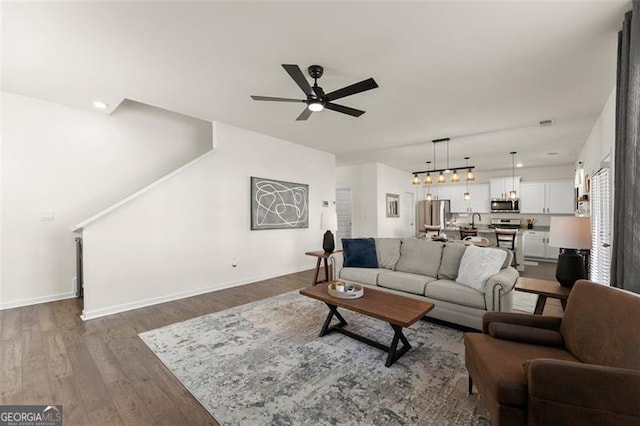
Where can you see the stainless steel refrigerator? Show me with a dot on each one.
(432, 213)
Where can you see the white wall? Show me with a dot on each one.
(394, 181)
(362, 179)
(369, 185)
(600, 143)
(182, 236)
(74, 163)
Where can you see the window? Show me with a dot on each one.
(600, 265)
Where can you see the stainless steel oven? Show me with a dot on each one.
(505, 205)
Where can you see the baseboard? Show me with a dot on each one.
(97, 313)
(37, 300)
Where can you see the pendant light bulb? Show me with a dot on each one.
(429, 197)
(428, 180)
(441, 178)
(466, 196)
(415, 180)
(455, 178)
(470, 176)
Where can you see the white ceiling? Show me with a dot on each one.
(445, 69)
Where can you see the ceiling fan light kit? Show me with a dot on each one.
(317, 99)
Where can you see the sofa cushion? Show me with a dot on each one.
(453, 292)
(420, 257)
(388, 250)
(478, 264)
(360, 253)
(361, 275)
(498, 365)
(404, 281)
(451, 257)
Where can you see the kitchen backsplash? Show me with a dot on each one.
(540, 219)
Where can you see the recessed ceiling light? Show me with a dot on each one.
(552, 153)
(519, 165)
(100, 104)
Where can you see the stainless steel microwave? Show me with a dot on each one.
(505, 205)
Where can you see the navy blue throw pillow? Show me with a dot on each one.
(360, 253)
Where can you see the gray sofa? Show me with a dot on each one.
(428, 270)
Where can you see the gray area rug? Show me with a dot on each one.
(524, 302)
(264, 364)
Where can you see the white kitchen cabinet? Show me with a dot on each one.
(561, 197)
(500, 187)
(458, 203)
(479, 202)
(547, 197)
(536, 245)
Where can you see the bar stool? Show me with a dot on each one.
(468, 233)
(506, 238)
(431, 230)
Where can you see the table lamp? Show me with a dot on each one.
(570, 233)
(329, 222)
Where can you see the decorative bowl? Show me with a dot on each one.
(345, 290)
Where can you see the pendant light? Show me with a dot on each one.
(512, 193)
(429, 196)
(427, 179)
(470, 177)
(467, 196)
(466, 171)
(441, 178)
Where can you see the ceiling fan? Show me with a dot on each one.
(317, 100)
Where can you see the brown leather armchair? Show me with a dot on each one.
(582, 369)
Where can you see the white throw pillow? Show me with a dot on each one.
(478, 264)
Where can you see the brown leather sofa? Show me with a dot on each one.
(582, 369)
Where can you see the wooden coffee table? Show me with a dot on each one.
(398, 311)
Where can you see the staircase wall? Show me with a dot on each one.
(62, 165)
(183, 236)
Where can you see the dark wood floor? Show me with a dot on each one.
(101, 372)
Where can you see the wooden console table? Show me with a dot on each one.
(321, 255)
(543, 289)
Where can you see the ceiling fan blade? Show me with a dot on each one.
(304, 114)
(269, 98)
(362, 86)
(343, 109)
(296, 74)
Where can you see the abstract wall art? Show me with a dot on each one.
(278, 205)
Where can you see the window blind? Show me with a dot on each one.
(600, 265)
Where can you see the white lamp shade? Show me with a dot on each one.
(570, 232)
(329, 221)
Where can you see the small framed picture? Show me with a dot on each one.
(393, 201)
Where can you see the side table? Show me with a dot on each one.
(321, 255)
(543, 289)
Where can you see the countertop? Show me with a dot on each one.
(485, 229)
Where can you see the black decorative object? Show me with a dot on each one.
(328, 243)
(317, 100)
(570, 268)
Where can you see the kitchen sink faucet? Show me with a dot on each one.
(473, 218)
